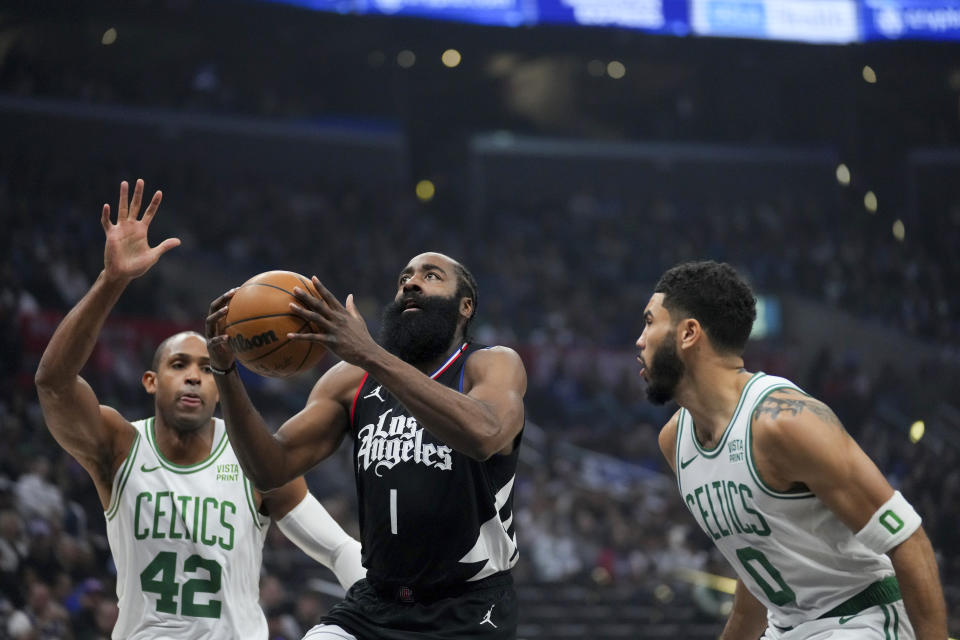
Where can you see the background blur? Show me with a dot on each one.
(567, 167)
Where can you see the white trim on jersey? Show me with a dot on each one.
(494, 544)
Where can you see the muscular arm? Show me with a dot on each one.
(916, 569)
(272, 460)
(481, 422)
(97, 437)
(748, 619)
(308, 525)
(799, 441)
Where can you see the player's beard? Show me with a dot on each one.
(665, 371)
(419, 337)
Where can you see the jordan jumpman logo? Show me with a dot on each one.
(486, 618)
(375, 394)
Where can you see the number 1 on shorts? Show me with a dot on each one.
(393, 511)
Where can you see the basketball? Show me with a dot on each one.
(259, 319)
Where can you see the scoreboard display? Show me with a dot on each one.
(817, 21)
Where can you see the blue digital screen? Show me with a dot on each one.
(493, 12)
(911, 20)
(655, 16)
(816, 21)
(826, 21)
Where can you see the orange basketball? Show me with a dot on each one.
(259, 319)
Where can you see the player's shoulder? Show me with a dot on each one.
(668, 438)
(786, 415)
(669, 429)
(496, 363)
(495, 354)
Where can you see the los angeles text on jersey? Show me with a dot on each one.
(726, 503)
(395, 439)
(207, 520)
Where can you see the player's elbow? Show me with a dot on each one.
(485, 445)
(43, 379)
(47, 380)
(265, 482)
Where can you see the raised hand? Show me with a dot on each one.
(127, 253)
(342, 328)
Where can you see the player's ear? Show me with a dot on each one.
(149, 381)
(689, 332)
(466, 307)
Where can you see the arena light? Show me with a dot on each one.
(843, 174)
(870, 201)
(406, 58)
(616, 69)
(425, 190)
(899, 231)
(109, 36)
(869, 75)
(451, 58)
(917, 430)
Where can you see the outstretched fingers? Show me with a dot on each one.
(152, 207)
(137, 197)
(105, 219)
(166, 245)
(123, 205)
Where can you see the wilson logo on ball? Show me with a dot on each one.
(240, 343)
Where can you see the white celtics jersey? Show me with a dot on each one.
(187, 544)
(789, 549)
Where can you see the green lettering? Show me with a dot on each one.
(184, 500)
(779, 593)
(227, 525)
(723, 532)
(173, 520)
(203, 527)
(158, 511)
(745, 491)
(196, 516)
(703, 513)
(885, 519)
(136, 516)
(732, 486)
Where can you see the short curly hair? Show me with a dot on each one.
(716, 296)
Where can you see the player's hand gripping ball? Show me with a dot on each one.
(259, 319)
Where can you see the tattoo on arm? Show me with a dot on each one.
(773, 406)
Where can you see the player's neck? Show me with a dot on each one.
(183, 447)
(711, 394)
(430, 367)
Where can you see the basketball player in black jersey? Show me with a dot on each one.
(436, 422)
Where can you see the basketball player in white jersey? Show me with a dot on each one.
(185, 527)
(822, 544)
